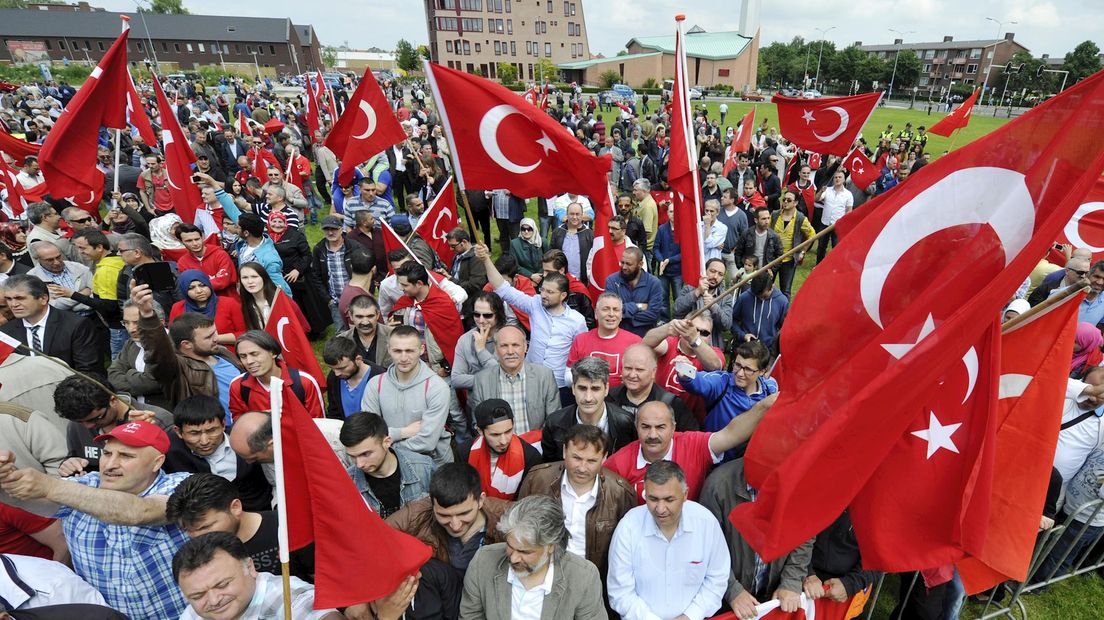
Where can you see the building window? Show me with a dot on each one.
(49, 46)
(548, 50)
(513, 48)
(975, 53)
(260, 50)
(100, 45)
(509, 26)
(61, 44)
(971, 68)
(927, 68)
(448, 46)
(549, 7)
(723, 72)
(226, 48)
(87, 45)
(567, 9)
(497, 48)
(467, 48)
(189, 45)
(478, 48)
(477, 5)
(272, 48)
(447, 23)
(237, 49)
(989, 55)
(923, 81)
(164, 46)
(530, 71)
(202, 47)
(176, 46)
(472, 24)
(529, 48)
(573, 9)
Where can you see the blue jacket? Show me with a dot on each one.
(648, 290)
(666, 248)
(762, 318)
(720, 387)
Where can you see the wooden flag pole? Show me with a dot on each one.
(801, 247)
(276, 406)
(1042, 307)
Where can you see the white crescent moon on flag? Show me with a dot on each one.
(1073, 228)
(970, 360)
(981, 195)
(280, 331)
(1013, 385)
(370, 115)
(434, 231)
(857, 165)
(488, 135)
(845, 119)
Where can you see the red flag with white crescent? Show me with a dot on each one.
(957, 119)
(367, 127)
(136, 114)
(1086, 228)
(16, 200)
(179, 158)
(863, 171)
(682, 173)
(741, 142)
(283, 325)
(438, 220)
(829, 125)
(907, 317)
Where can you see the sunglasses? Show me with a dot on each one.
(1079, 273)
(84, 220)
(527, 229)
(704, 333)
(483, 315)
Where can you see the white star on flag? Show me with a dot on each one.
(808, 116)
(938, 435)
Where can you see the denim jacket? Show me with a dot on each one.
(414, 472)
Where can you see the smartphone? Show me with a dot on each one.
(158, 275)
(686, 370)
(196, 179)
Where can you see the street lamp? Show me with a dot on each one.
(1000, 24)
(149, 40)
(898, 55)
(822, 31)
(256, 66)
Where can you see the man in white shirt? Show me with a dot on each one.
(838, 202)
(668, 559)
(531, 575)
(28, 582)
(714, 232)
(217, 578)
(1081, 429)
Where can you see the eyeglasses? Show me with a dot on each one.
(704, 333)
(100, 418)
(788, 200)
(483, 315)
(83, 220)
(740, 368)
(1080, 273)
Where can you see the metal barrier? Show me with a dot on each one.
(1086, 561)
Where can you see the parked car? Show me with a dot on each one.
(695, 93)
(609, 95)
(753, 96)
(624, 91)
(812, 93)
(790, 92)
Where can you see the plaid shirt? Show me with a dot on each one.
(130, 565)
(335, 265)
(512, 390)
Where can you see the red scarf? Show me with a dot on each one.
(504, 480)
(440, 316)
(276, 236)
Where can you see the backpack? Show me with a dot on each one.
(629, 175)
(296, 387)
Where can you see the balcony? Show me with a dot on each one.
(957, 75)
(938, 61)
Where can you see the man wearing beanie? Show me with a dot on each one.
(501, 457)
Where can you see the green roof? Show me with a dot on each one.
(586, 64)
(707, 45)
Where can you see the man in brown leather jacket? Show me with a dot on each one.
(594, 499)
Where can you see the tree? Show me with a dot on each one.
(507, 72)
(908, 70)
(608, 78)
(546, 70)
(406, 56)
(329, 56)
(1083, 61)
(170, 7)
(423, 52)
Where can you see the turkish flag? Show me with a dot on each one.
(283, 324)
(886, 315)
(605, 261)
(243, 126)
(324, 507)
(17, 149)
(367, 127)
(863, 171)
(15, 189)
(500, 142)
(8, 345)
(68, 156)
(438, 220)
(136, 114)
(179, 158)
(741, 142)
(440, 316)
(682, 173)
(829, 125)
(312, 111)
(1034, 365)
(957, 119)
(946, 457)
(1086, 228)
(262, 160)
(331, 106)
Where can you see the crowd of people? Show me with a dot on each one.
(562, 455)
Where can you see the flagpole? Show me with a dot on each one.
(276, 405)
(801, 247)
(457, 174)
(1046, 304)
(119, 131)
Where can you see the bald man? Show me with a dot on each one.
(251, 439)
(638, 371)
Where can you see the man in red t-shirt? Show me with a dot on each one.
(153, 185)
(607, 341)
(685, 341)
(695, 452)
(23, 533)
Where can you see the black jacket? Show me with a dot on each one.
(836, 555)
(621, 430)
(69, 337)
(322, 271)
(586, 241)
(771, 250)
(256, 493)
(335, 409)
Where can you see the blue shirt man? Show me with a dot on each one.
(641, 293)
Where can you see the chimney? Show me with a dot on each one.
(858, 43)
(1009, 36)
(898, 41)
(1045, 56)
(948, 39)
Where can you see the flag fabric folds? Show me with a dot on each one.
(892, 316)
(1086, 228)
(682, 173)
(367, 127)
(829, 125)
(741, 142)
(179, 158)
(136, 114)
(68, 156)
(957, 119)
(438, 220)
(1034, 366)
(329, 511)
(863, 171)
(283, 324)
(17, 149)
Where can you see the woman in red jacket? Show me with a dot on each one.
(197, 295)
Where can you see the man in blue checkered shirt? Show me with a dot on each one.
(114, 519)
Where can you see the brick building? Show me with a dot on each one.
(81, 33)
(961, 62)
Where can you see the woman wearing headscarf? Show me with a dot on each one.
(197, 295)
(528, 248)
(1086, 350)
(14, 238)
(163, 236)
(291, 244)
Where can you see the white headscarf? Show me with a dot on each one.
(535, 238)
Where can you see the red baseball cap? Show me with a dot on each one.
(139, 435)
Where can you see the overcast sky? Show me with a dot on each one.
(1045, 26)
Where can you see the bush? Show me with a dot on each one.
(649, 84)
(507, 72)
(608, 78)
